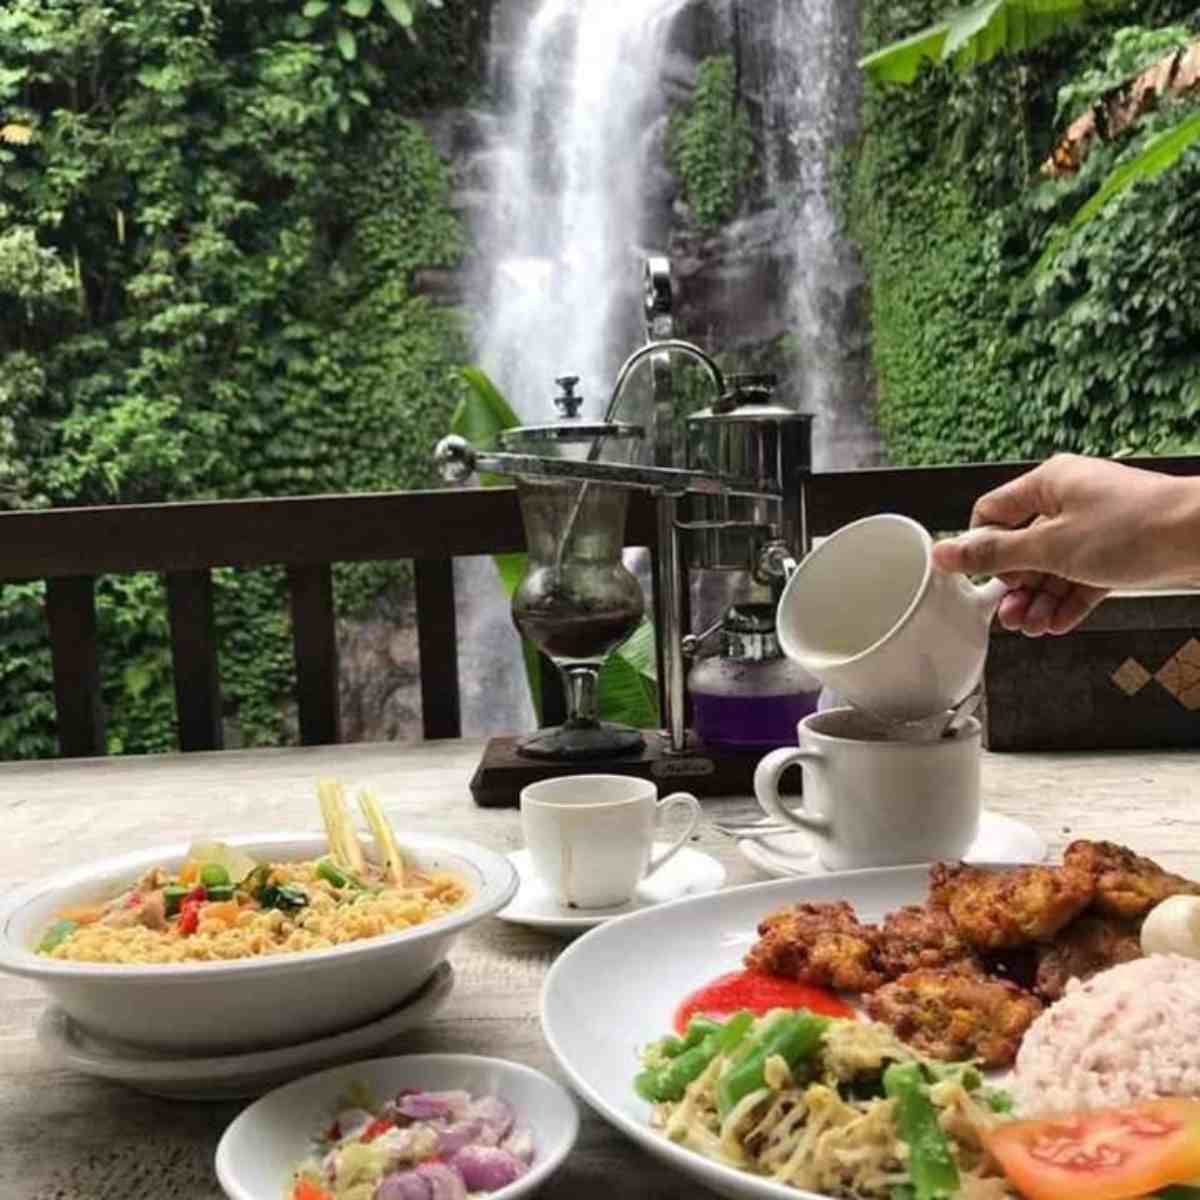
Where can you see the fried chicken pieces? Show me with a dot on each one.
(819, 944)
(934, 971)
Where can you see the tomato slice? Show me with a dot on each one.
(1110, 1154)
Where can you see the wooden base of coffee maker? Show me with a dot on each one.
(702, 770)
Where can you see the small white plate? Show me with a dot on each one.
(258, 1152)
(231, 1076)
(689, 873)
(1001, 839)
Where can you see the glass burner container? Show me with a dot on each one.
(577, 600)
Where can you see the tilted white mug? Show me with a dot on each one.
(591, 837)
(872, 802)
(870, 616)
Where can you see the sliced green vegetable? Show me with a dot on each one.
(669, 1080)
(225, 891)
(173, 895)
(327, 871)
(56, 935)
(1000, 1101)
(794, 1036)
(931, 1167)
(214, 875)
(285, 897)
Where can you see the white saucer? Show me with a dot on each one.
(1001, 840)
(689, 873)
(231, 1076)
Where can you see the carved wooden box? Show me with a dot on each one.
(1127, 678)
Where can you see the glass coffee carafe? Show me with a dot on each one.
(576, 603)
(577, 600)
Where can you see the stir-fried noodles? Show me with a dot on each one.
(839, 1107)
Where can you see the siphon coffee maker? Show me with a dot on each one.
(727, 488)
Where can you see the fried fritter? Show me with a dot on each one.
(1127, 885)
(997, 910)
(919, 936)
(1088, 945)
(820, 944)
(955, 1013)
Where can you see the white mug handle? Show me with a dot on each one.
(766, 787)
(693, 805)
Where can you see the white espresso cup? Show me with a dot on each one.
(591, 837)
(870, 616)
(870, 801)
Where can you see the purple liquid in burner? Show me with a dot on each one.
(750, 722)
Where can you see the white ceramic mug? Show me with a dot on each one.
(870, 616)
(872, 802)
(591, 837)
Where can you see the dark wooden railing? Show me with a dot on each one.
(70, 548)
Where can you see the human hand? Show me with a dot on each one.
(1074, 528)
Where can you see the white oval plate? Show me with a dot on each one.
(689, 873)
(258, 1152)
(1000, 839)
(231, 1076)
(617, 988)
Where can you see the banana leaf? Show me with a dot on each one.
(977, 34)
(628, 678)
(1160, 154)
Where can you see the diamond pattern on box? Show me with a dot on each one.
(1180, 675)
(1131, 677)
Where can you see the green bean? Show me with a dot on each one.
(327, 871)
(794, 1036)
(931, 1167)
(669, 1080)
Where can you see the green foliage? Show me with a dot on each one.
(211, 217)
(977, 356)
(978, 33)
(711, 147)
(1132, 50)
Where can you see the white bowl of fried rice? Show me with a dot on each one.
(332, 979)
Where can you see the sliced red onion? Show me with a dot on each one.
(496, 1114)
(458, 1135)
(444, 1182)
(519, 1143)
(486, 1168)
(432, 1106)
(403, 1185)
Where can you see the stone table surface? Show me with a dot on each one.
(64, 1136)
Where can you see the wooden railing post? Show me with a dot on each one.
(194, 657)
(71, 614)
(314, 636)
(437, 647)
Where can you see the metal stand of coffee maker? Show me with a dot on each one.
(735, 505)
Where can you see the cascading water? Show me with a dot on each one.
(568, 196)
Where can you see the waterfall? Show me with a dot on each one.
(817, 94)
(567, 219)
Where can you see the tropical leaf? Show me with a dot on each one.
(1160, 154)
(347, 45)
(482, 415)
(978, 33)
(629, 681)
(401, 11)
(358, 8)
(315, 8)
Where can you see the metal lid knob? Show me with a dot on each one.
(568, 403)
(455, 458)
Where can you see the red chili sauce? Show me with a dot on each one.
(759, 993)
